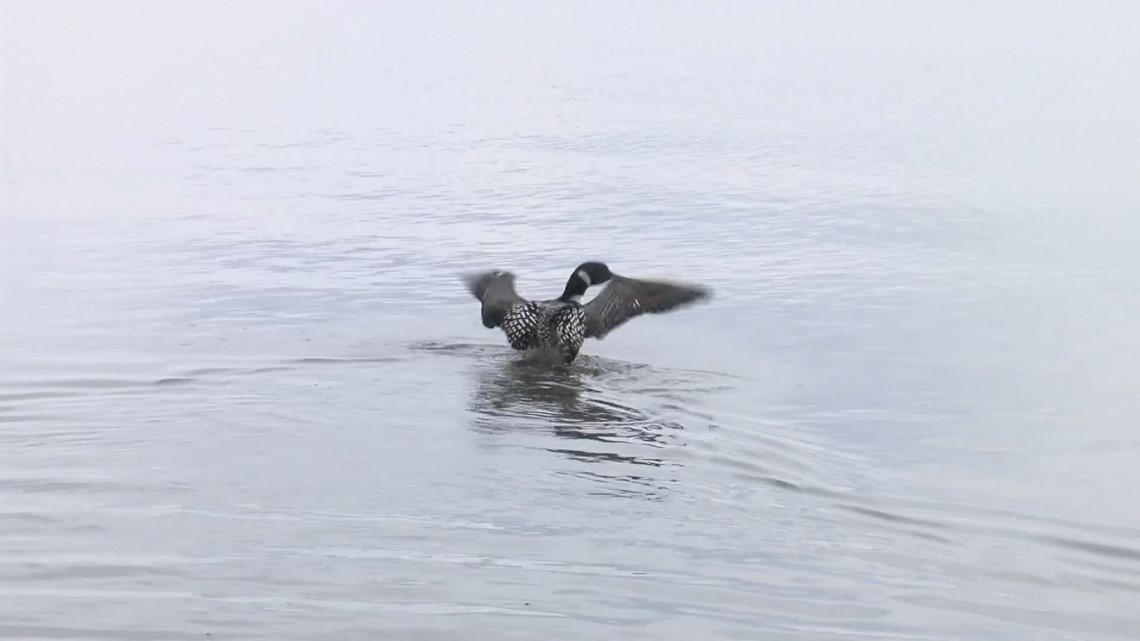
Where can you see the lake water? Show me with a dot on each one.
(243, 394)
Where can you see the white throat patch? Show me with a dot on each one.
(585, 277)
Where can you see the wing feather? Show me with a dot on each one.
(624, 298)
(496, 291)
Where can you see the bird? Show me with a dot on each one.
(560, 326)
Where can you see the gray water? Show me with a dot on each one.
(243, 394)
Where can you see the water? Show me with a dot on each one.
(243, 394)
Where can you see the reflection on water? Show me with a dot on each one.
(610, 414)
(516, 394)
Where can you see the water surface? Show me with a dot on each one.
(244, 395)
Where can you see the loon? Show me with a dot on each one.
(561, 325)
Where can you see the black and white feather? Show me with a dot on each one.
(624, 299)
(563, 324)
(496, 291)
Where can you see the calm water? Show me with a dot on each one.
(244, 395)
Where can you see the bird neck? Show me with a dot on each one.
(575, 289)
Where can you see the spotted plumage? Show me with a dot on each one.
(542, 326)
(564, 323)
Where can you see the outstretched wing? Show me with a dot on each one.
(496, 291)
(625, 298)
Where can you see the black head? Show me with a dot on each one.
(585, 275)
